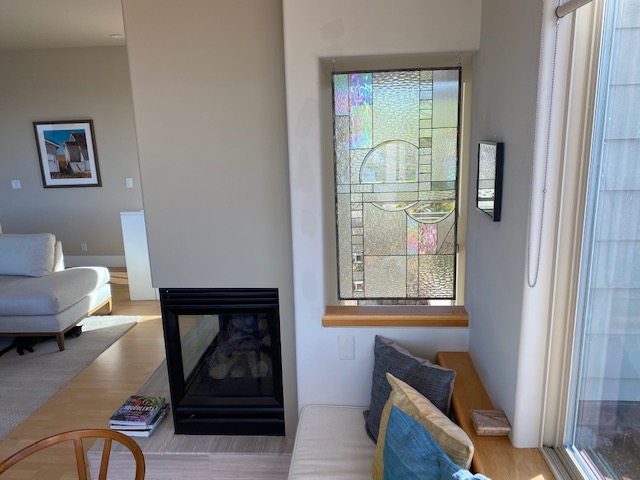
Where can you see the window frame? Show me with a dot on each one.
(587, 56)
(424, 314)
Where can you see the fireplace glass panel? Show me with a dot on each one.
(227, 355)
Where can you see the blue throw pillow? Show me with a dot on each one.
(432, 381)
(411, 453)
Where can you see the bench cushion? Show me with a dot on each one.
(331, 444)
(50, 294)
(30, 255)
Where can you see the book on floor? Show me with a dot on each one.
(137, 410)
(146, 430)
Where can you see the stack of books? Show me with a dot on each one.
(139, 416)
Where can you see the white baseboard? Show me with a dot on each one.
(94, 261)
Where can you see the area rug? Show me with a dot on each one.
(28, 381)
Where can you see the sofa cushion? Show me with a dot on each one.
(51, 294)
(30, 255)
(449, 436)
(432, 381)
(410, 452)
(58, 322)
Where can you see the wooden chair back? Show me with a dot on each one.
(77, 436)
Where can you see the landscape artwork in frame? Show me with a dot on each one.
(68, 155)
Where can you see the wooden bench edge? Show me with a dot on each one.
(494, 457)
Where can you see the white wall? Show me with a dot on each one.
(208, 90)
(69, 84)
(509, 319)
(384, 33)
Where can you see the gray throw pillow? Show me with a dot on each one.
(432, 381)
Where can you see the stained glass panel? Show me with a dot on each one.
(396, 149)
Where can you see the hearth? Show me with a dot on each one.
(224, 360)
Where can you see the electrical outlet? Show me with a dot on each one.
(16, 185)
(128, 182)
(83, 246)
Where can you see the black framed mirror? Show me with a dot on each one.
(489, 184)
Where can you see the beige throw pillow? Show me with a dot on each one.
(28, 255)
(451, 438)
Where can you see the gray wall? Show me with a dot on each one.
(68, 84)
(505, 74)
(208, 90)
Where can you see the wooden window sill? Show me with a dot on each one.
(396, 316)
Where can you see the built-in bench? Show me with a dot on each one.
(494, 457)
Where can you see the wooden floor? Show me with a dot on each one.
(92, 396)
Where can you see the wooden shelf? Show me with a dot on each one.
(396, 316)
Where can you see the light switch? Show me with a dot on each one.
(346, 349)
(128, 182)
(16, 185)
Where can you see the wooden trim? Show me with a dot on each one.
(396, 316)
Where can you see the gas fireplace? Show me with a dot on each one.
(224, 360)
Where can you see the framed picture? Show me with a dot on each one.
(68, 155)
(489, 186)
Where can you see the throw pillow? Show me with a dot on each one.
(411, 453)
(450, 437)
(432, 381)
(29, 255)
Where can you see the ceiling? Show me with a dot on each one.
(29, 24)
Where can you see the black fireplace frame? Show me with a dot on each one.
(241, 415)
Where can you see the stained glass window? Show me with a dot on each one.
(396, 144)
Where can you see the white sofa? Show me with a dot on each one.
(38, 296)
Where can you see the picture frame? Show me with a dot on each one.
(67, 153)
(489, 183)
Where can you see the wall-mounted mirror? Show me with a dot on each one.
(489, 186)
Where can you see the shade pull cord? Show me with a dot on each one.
(534, 257)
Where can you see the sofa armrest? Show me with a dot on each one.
(58, 257)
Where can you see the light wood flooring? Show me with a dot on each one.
(92, 396)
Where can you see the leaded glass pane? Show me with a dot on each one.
(436, 276)
(360, 110)
(445, 98)
(385, 276)
(341, 145)
(341, 94)
(396, 146)
(396, 112)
